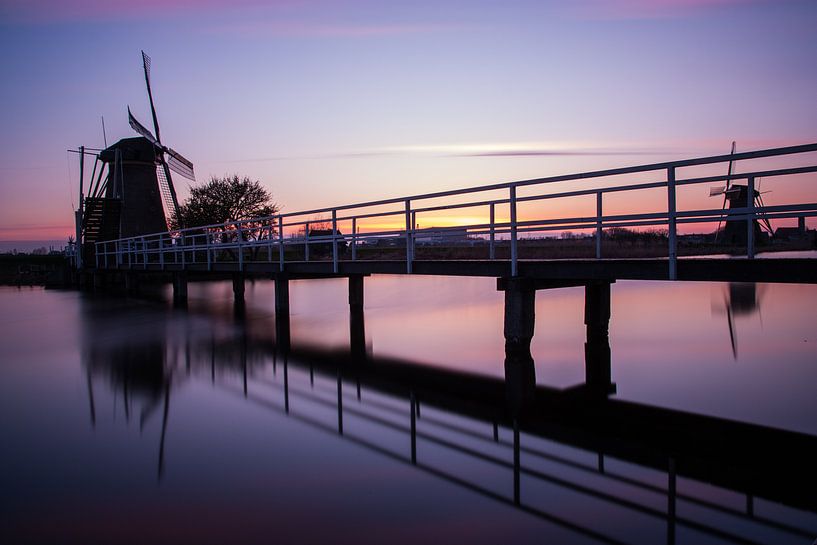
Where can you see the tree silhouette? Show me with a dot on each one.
(223, 200)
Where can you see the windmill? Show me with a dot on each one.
(167, 158)
(736, 195)
(131, 190)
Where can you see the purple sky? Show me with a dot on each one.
(337, 101)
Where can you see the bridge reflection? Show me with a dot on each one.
(487, 420)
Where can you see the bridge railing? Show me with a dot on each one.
(393, 223)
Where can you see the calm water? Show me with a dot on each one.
(128, 421)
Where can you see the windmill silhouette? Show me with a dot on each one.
(131, 190)
(737, 196)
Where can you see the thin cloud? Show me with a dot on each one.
(649, 9)
(475, 149)
(332, 30)
(62, 11)
(562, 153)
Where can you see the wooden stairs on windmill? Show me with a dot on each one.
(99, 223)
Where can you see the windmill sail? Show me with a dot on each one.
(180, 164)
(725, 189)
(167, 190)
(146, 65)
(141, 129)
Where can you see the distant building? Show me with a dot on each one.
(793, 233)
(434, 236)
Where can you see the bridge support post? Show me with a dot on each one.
(520, 375)
(282, 337)
(180, 287)
(597, 345)
(357, 329)
(238, 288)
(131, 283)
(356, 292)
(99, 281)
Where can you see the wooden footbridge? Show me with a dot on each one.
(495, 239)
(383, 237)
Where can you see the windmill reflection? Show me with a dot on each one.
(738, 299)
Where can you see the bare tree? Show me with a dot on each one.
(223, 200)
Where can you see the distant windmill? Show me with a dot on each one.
(737, 196)
(131, 191)
(167, 158)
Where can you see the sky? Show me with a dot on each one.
(329, 102)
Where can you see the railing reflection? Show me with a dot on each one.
(494, 409)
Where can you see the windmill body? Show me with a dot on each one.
(734, 230)
(136, 186)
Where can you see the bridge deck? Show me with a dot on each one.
(785, 270)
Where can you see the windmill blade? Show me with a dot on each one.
(167, 189)
(726, 189)
(141, 129)
(146, 65)
(731, 164)
(179, 164)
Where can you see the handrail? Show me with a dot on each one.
(175, 246)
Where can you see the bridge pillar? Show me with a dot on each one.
(520, 375)
(180, 287)
(357, 328)
(99, 281)
(520, 299)
(356, 292)
(282, 334)
(238, 288)
(131, 283)
(597, 345)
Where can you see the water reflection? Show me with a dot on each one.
(541, 435)
(737, 299)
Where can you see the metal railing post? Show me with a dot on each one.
(671, 235)
(118, 254)
(514, 264)
(413, 227)
(492, 237)
(281, 243)
(144, 254)
(354, 239)
(96, 253)
(750, 217)
(184, 251)
(598, 224)
(409, 257)
(207, 250)
(162, 251)
(334, 241)
(269, 242)
(240, 248)
(306, 241)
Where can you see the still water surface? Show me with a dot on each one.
(129, 421)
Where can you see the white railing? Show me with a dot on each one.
(269, 239)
